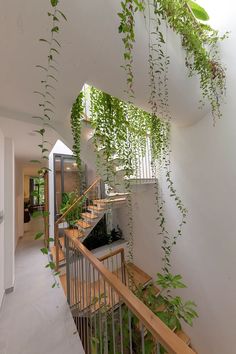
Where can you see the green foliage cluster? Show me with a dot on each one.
(198, 39)
(170, 309)
(77, 112)
(75, 214)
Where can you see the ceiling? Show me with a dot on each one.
(25, 139)
(91, 52)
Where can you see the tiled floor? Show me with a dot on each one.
(35, 319)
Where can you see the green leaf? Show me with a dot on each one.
(38, 235)
(39, 93)
(41, 67)
(44, 40)
(198, 11)
(44, 250)
(55, 29)
(51, 265)
(41, 131)
(61, 13)
(54, 3)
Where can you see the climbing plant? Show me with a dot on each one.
(46, 105)
(199, 40)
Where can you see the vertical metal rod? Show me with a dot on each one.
(80, 295)
(91, 284)
(67, 269)
(87, 304)
(113, 321)
(83, 302)
(142, 339)
(158, 349)
(130, 332)
(121, 328)
(100, 317)
(95, 312)
(106, 327)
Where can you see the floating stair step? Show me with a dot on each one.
(96, 289)
(84, 224)
(74, 233)
(95, 208)
(109, 201)
(182, 335)
(53, 253)
(89, 216)
(136, 276)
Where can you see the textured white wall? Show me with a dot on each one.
(1, 210)
(19, 201)
(9, 224)
(204, 172)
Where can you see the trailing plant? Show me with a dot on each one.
(46, 104)
(75, 214)
(77, 113)
(198, 39)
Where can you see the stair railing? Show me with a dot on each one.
(62, 217)
(108, 316)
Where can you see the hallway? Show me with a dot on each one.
(43, 324)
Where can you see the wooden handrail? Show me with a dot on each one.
(111, 254)
(157, 328)
(77, 201)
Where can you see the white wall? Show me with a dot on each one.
(9, 223)
(204, 172)
(19, 201)
(1, 224)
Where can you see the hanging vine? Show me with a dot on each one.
(200, 44)
(47, 107)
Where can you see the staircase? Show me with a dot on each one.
(100, 293)
(93, 212)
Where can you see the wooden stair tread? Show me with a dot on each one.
(74, 233)
(182, 335)
(109, 201)
(53, 253)
(138, 276)
(95, 208)
(89, 216)
(86, 295)
(84, 224)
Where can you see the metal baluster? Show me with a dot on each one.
(130, 332)
(87, 303)
(106, 328)
(90, 304)
(67, 269)
(80, 295)
(100, 317)
(142, 339)
(158, 348)
(95, 313)
(83, 302)
(121, 327)
(113, 321)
